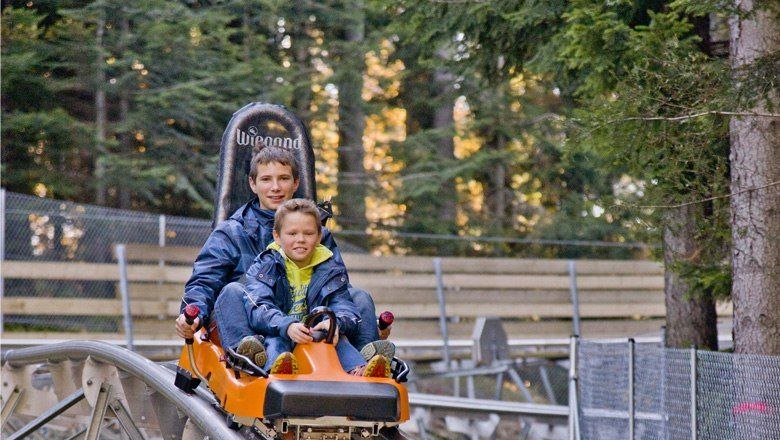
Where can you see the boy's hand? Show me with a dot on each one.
(384, 333)
(184, 330)
(299, 333)
(325, 326)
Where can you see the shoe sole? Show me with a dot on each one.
(378, 366)
(381, 347)
(254, 349)
(285, 364)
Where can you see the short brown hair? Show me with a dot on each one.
(304, 206)
(262, 155)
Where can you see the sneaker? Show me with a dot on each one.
(286, 363)
(252, 347)
(377, 366)
(383, 347)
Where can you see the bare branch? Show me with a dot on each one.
(696, 115)
(724, 196)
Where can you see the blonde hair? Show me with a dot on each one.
(304, 206)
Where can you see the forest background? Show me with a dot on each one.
(565, 129)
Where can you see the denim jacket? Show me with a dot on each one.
(268, 294)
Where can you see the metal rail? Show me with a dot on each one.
(486, 405)
(199, 411)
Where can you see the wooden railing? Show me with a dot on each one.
(430, 297)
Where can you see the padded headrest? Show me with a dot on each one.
(275, 126)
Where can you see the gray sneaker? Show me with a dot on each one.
(382, 347)
(252, 347)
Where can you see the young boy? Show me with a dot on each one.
(293, 276)
(234, 244)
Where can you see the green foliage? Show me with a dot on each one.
(44, 147)
(485, 47)
(612, 93)
(711, 280)
(658, 120)
(174, 74)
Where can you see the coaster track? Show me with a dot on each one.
(98, 390)
(114, 381)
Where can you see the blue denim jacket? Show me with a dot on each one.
(229, 251)
(268, 294)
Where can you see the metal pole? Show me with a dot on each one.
(575, 302)
(161, 231)
(631, 409)
(547, 385)
(694, 433)
(161, 237)
(442, 309)
(574, 420)
(127, 317)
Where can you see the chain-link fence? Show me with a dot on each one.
(644, 391)
(46, 230)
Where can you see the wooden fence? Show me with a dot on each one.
(430, 297)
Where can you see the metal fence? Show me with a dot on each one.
(39, 229)
(644, 391)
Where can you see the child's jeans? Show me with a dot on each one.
(233, 325)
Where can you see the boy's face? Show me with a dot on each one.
(298, 237)
(273, 185)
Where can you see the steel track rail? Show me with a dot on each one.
(199, 411)
(558, 412)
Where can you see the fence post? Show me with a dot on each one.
(161, 236)
(161, 230)
(694, 433)
(631, 409)
(127, 317)
(575, 302)
(574, 405)
(442, 309)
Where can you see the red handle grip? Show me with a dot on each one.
(386, 320)
(190, 313)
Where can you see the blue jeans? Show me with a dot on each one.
(233, 324)
(367, 330)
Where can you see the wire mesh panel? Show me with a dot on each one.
(603, 379)
(650, 371)
(740, 396)
(675, 389)
(45, 230)
(733, 397)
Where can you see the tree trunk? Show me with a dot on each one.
(302, 95)
(499, 192)
(689, 321)
(755, 201)
(353, 180)
(125, 190)
(443, 120)
(100, 116)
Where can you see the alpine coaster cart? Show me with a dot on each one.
(321, 401)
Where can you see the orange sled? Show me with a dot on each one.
(321, 401)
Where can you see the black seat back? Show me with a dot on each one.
(275, 126)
